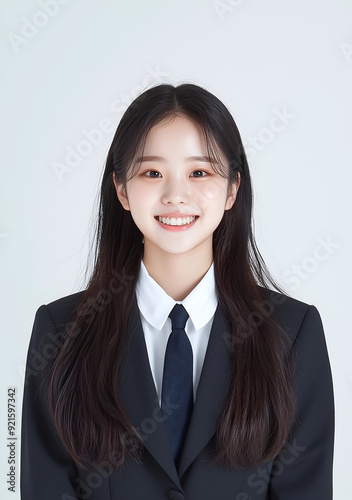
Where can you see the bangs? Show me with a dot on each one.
(219, 163)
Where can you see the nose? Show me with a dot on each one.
(176, 191)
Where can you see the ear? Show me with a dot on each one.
(233, 193)
(121, 193)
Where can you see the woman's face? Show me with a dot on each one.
(176, 199)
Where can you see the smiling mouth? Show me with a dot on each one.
(179, 221)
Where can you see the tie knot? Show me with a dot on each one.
(178, 316)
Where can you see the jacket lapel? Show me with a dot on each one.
(139, 398)
(211, 393)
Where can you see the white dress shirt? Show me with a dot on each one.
(155, 306)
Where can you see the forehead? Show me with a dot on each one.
(175, 135)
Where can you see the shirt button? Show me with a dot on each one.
(176, 495)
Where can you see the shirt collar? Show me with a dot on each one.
(155, 304)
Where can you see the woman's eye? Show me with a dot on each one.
(152, 173)
(199, 173)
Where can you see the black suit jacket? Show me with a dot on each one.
(303, 471)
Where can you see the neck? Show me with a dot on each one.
(177, 274)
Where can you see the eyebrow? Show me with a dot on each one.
(204, 159)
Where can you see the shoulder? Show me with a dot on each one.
(48, 334)
(52, 319)
(290, 313)
(61, 311)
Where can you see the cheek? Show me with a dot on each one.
(142, 200)
(209, 194)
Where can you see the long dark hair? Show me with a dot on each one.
(82, 391)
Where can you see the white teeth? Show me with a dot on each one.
(176, 222)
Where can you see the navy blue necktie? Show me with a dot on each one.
(177, 389)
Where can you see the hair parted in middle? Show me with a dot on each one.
(255, 422)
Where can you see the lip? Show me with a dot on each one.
(177, 215)
(176, 228)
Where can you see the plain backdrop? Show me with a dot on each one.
(69, 70)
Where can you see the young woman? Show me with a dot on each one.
(179, 373)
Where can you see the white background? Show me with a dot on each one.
(76, 70)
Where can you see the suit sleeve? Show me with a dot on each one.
(304, 468)
(47, 471)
